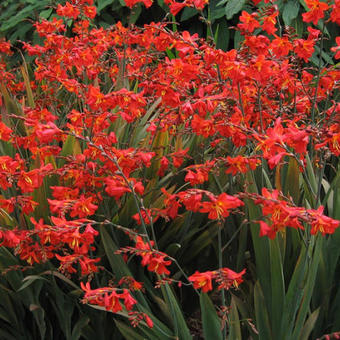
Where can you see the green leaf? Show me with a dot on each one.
(210, 321)
(294, 294)
(46, 13)
(217, 13)
(234, 322)
(77, 329)
(292, 180)
(233, 7)
(39, 316)
(118, 266)
(261, 313)
(309, 325)
(128, 332)
(188, 13)
(102, 4)
(238, 38)
(261, 244)
(309, 286)
(70, 147)
(222, 35)
(290, 11)
(20, 16)
(28, 280)
(277, 285)
(181, 328)
(135, 13)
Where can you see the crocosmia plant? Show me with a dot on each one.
(154, 186)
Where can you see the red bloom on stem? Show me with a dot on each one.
(112, 303)
(116, 188)
(69, 11)
(191, 200)
(336, 49)
(5, 47)
(304, 48)
(227, 278)
(90, 11)
(280, 213)
(281, 46)
(164, 164)
(269, 22)
(202, 127)
(5, 132)
(198, 177)
(335, 14)
(83, 207)
(178, 157)
(171, 204)
(131, 3)
(129, 301)
(248, 22)
(218, 207)
(158, 264)
(202, 280)
(240, 164)
(317, 9)
(28, 181)
(176, 7)
(146, 214)
(321, 223)
(146, 252)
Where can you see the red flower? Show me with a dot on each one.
(83, 207)
(112, 303)
(5, 47)
(90, 11)
(145, 216)
(335, 14)
(158, 264)
(178, 157)
(227, 278)
(281, 46)
(204, 127)
(198, 177)
(5, 132)
(321, 223)
(202, 280)
(304, 48)
(146, 252)
(164, 164)
(129, 301)
(191, 200)
(218, 207)
(336, 49)
(248, 22)
(240, 164)
(116, 188)
(68, 11)
(269, 23)
(131, 3)
(317, 9)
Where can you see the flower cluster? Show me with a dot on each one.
(225, 278)
(164, 120)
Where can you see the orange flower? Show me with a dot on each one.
(227, 278)
(218, 207)
(248, 22)
(158, 264)
(322, 223)
(202, 280)
(317, 9)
